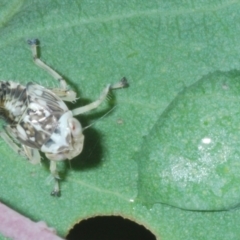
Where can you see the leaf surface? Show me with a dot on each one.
(162, 47)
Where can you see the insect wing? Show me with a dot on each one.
(45, 97)
(41, 116)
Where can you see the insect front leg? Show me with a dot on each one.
(14, 146)
(29, 153)
(54, 172)
(32, 154)
(62, 92)
(121, 84)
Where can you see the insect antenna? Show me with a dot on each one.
(99, 118)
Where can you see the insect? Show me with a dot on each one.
(37, 119)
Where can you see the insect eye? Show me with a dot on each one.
(75, 127)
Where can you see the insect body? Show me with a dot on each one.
(38, 119)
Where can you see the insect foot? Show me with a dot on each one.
(37, 119)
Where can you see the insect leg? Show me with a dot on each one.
(54, 172)
(12, 143)
(63, 92)
(32, 154)
(121, 84)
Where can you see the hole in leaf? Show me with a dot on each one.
(109, 228)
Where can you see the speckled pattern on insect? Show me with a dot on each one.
(37, 119)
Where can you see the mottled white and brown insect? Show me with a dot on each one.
(38, 119)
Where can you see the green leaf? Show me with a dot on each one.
(162, 47)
